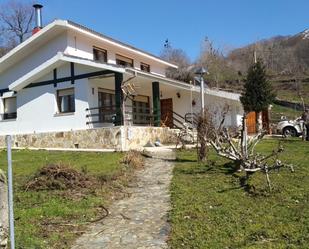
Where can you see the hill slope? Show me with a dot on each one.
(283, 55)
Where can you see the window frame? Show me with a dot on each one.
(145, 65)
(95, 48)
(138, 110)
(106, 113)
(9, 115)
(71, 109)
(122, 58)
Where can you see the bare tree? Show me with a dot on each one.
(16, 20)
(241, 149)
(213, 58)
(180, 58)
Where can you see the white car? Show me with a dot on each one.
(293, 128)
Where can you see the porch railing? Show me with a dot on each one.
(133, 114)
(139, 116)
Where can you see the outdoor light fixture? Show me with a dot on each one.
(200, 73)
(178, 95)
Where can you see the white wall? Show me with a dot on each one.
(36, 58)
(215, 104)
(82, 46)
(37, 108)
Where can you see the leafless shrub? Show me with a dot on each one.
(133, 159)
(240, 150)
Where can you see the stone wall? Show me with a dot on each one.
(117, 138)
(139, 136)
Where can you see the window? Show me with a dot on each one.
(99, 55)
(145, 67)
(141, 110)
(107, 105)
(66, 100)
(10, 108)
(124, 61)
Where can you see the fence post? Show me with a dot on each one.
(4, 211)
(10, 190)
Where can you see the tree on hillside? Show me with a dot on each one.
(258, 93)
(180, 58)
(16, 23)
(213, 59)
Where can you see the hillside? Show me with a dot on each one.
(283, 55)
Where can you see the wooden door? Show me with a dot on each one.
(167, 112)
(251, 122)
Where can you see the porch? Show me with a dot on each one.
(140, 99)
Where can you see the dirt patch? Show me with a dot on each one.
(58, 177)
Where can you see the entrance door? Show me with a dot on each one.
(167, 112)
(251, 122)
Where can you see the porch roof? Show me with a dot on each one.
(183, 85)
(162, 79)
(222, 94)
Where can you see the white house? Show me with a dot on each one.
(67, 83)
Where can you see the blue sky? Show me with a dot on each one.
(147, 23)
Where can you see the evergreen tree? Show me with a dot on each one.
(258, 92)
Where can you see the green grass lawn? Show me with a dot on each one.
(277, 111)
(210, 210)
(52, 219)
(288, 91)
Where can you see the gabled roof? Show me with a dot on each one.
(58, 26)
(55, 62)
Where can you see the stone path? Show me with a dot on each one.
(139, 221)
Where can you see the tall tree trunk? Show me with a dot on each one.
(4, 211)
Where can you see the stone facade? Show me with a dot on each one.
(118, 138)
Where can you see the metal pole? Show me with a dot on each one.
(10, 190)
(191, 108)
(202, 95)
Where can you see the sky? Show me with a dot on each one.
(147, 24)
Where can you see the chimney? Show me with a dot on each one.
(38, 18)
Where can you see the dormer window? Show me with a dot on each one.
(124, 61)
(99, 55)
(145, 67)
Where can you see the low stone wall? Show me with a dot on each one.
(139, 136)
(117, 138)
